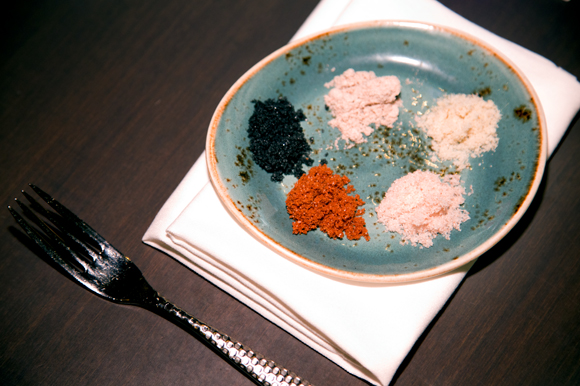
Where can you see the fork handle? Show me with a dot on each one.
(258, 368)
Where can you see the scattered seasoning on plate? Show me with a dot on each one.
(319, 199)
(277, 141)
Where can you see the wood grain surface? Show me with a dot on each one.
(105, 104)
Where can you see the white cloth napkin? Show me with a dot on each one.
(366, 329)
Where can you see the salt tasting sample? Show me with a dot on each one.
(320, 199)
(358, 99)
(461, 126)
(277, 141)
(421, 205)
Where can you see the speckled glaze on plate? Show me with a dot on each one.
(430, 61)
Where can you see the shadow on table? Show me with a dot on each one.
(36, 250)
(513, 236)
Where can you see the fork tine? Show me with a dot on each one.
(54, 236)
(33, 234)
(70, 216)
(63, 228)
(34, 205)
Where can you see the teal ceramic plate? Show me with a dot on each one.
(430, 61)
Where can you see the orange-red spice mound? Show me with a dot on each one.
(319, 199)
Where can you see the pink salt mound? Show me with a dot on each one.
(421, 205)
(360, 98)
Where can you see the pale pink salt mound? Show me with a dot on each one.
(421, 205)
(360, 98)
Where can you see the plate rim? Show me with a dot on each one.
(428, 273)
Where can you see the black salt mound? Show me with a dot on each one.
(277, 141)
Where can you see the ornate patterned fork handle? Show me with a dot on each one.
(261, 370)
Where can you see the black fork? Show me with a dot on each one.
(94, 263)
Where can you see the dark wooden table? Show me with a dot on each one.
(105, 104)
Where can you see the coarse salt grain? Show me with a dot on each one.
(360, 98)
(421, 205)
(461, 126)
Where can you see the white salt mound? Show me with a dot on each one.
(421, 205)
(461, 126)
(360, 98)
